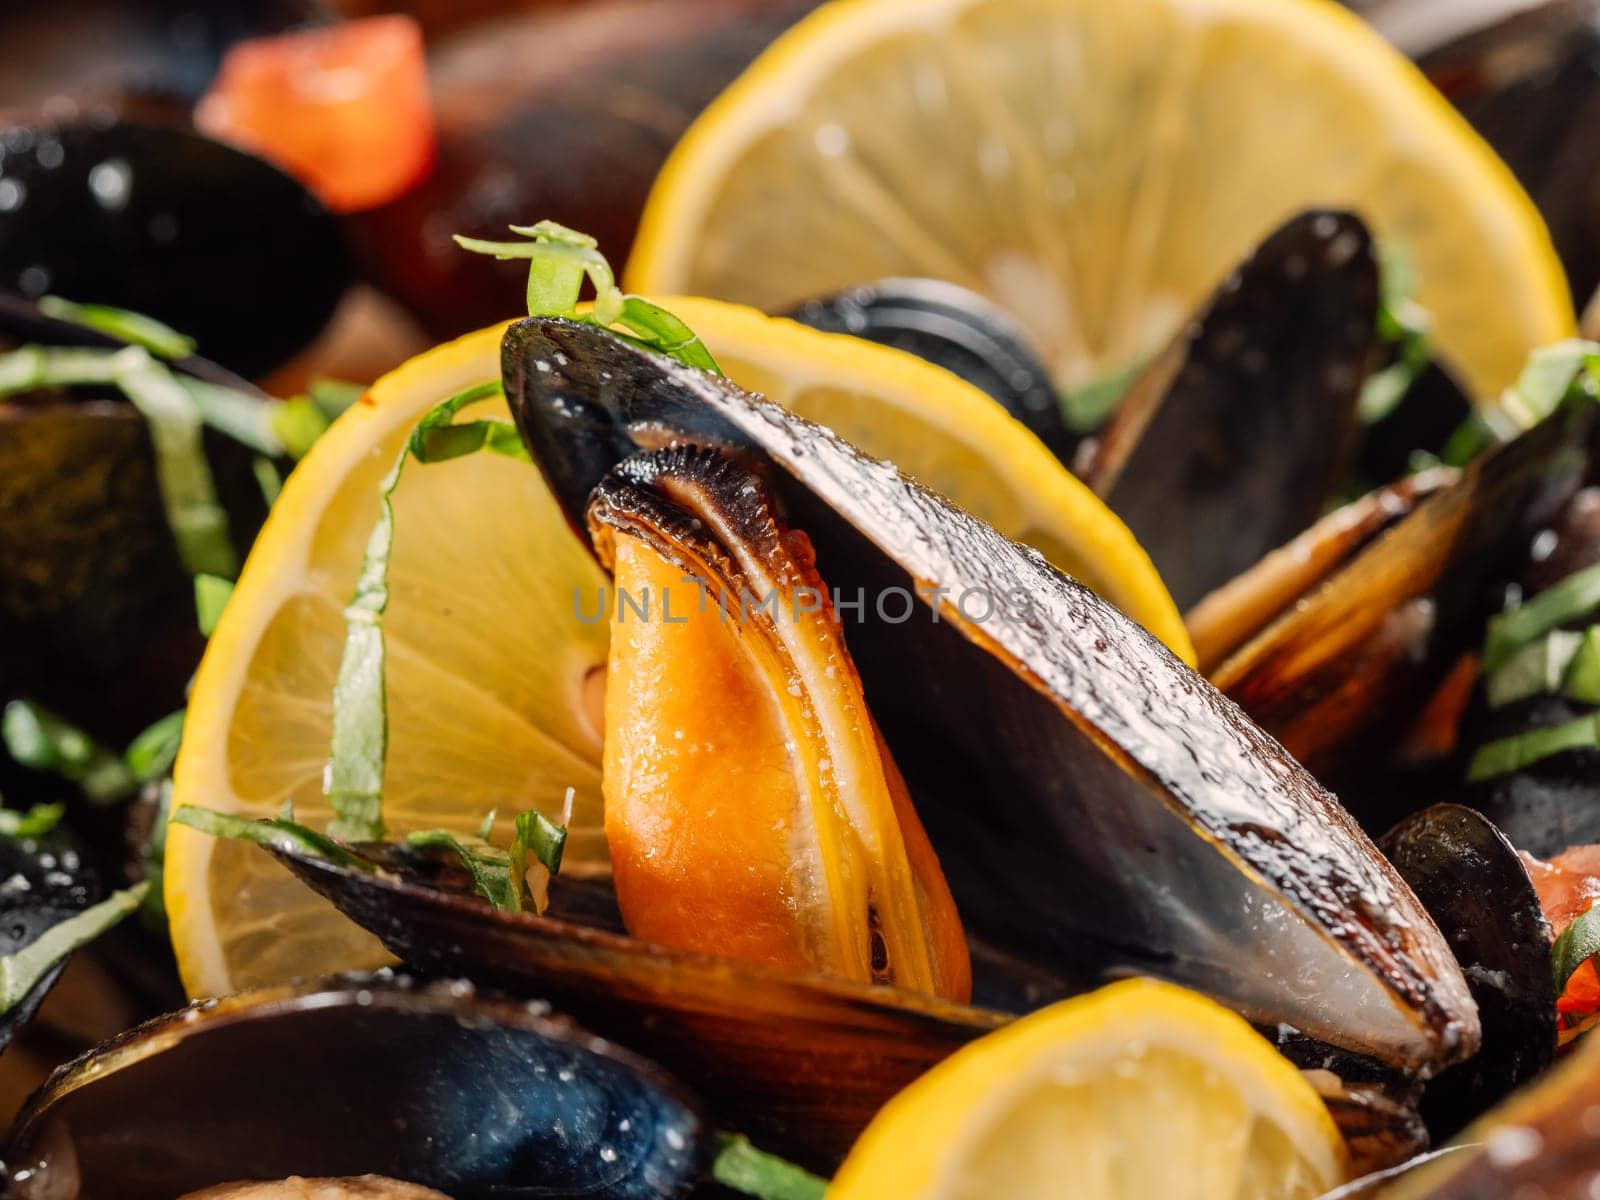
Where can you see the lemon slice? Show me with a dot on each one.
(494, 681)
(1139, 1090)
(1094, 167)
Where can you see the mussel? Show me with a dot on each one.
(959, 330)
(173, 225)
(1337, 677)
(360, 1076)
(1231, 441)
(1477, 889)
(1096, 807)
(96, 610)
(44, 880)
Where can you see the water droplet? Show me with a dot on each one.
(110, 182)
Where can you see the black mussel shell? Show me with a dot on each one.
(96, 611)
(956, 329)
(1078, 782)
(1433, 408)
(1232, 440)
(213, 241)
(433, 1085)
(1476, 888)
(798, 1062)
(1338, 678)
(43, 882)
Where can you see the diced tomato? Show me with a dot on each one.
(1582, 996)
(1569, 886)
(344, 108)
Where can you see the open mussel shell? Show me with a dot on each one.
(209, 239)
(1476, 888)
(1231, 441)
(431, 1085)
(1338, 676)
(799, 1062)
(1097, 808)
(1241, 608)
(96, 611)
(957, 329)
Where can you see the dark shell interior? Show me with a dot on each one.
(216, 243)
(488, 1097)
(1232, 440)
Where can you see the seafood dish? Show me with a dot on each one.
(878, 599)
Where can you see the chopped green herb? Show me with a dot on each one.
(1582, 680)
(297, 423)
(1578, 943)
(1574, 598)
(1536, 669)
(39, 739)
(487, 827)
(742, 1167)
(268, 480)
(1087, 408)
(1552, 374)
(276, 833)
(36, 822)
(1404, 326)
(211, 596)
(559, 259)
(135, 328)
(360, 703)
(30, 368)
(247, 419)
(20, 972)
(488, 865)
(1521, 750)
(198, 522)
(151, 754)
(333, 396)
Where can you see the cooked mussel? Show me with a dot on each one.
(1476, 888)
(1096, 807)
(1338, 676)
(44, 880)
(1231, 441)
(959, 330)
(433, 1085)
(164, 222)
(96, 609)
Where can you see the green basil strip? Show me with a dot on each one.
(1403, 324)
(249, 420)
(39, 739)
(1575, 597)
(1536, 669)
(135, 328)
(298, 423)
(1578, 943)
(488, 866)
(1582, 682)
(151, 754)
(183, 475)
(276, 833)
(32, 367)
(267, 479)
(36, 822)
(1551, 373)
(333, 396)
(211, 596)
(20, 972)
(360, 702)
(1087, 408)
(1524, 749)
(740, 1166)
